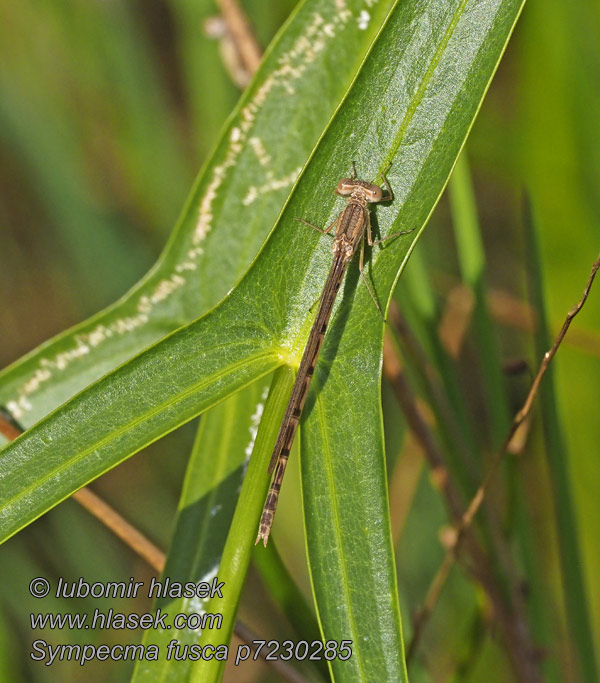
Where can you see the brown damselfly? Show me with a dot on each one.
(350, 228)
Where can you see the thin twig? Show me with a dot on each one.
(241, 34)
(143, 547)
(523, 413)
(9, 427)
(510, 311)
(467, 517)
(121, 528)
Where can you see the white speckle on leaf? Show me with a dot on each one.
(291, 66)
(255, 421)
(259, 149)
(363, 20)
(195, 604)
(271, 184)
(83, 342)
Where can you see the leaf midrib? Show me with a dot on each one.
(416, 100)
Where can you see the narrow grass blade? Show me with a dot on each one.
(240, 540)
(214, 476)
(472, 265)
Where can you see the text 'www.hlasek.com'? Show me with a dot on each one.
(185, 616)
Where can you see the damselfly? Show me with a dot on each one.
(350, 228)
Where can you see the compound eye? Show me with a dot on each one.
(345, 187)
(374, 193)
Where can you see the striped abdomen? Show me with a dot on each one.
(287, 431)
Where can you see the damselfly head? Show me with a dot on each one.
(351, 186)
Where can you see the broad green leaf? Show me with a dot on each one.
(179, 377)
(232, 207)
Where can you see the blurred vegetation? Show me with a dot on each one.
(108, 109)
